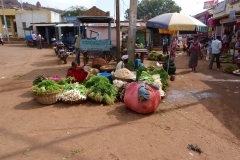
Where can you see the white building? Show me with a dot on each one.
(25, 18)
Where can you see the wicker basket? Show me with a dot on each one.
(122, 79)
(98, 62)
(75, 102)
(50, 98)
(108, 68)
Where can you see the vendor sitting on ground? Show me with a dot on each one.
(123, 63)
(137, 62)
(77, 72)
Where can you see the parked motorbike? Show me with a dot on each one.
(70, 48)
(30, 43)
(1, 41)
(60, 51)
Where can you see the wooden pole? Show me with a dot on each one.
(118, 30)
(5, 21)
(132, 30)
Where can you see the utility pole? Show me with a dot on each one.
(5, 21)
(118, 30)
(132, 30)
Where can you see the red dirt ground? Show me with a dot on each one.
(200, 108)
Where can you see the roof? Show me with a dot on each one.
(94, 19)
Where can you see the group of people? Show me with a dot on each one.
(214, 48)
(37, 40)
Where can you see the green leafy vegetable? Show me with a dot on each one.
(39, 79)
(45, 87)
(100, 89)
(76, 86)
(146, 77)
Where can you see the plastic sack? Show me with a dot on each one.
(144, 107)
(55, 78)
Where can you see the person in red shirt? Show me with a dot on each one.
(77, 72)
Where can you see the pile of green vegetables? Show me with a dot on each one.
(151, 70)
(46, 87)
(39, 79)
(229, 68)
(100, 89)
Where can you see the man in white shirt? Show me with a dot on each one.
(34, 37)
(216, 50)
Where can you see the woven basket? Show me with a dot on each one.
(50, 98)
(122, 79)
(108, 68)
(98, 62)
(75, 102)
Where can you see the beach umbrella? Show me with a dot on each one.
(176, 22)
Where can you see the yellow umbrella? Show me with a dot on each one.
(162, 31)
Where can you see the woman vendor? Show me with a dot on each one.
(195, 52)
(77, 72)
(123, 63)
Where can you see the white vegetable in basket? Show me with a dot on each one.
(72, 95)
(118, 83)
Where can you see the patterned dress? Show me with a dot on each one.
(195, 50)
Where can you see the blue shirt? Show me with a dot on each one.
(216, 46)
(209, 46)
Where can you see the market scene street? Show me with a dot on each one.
(83, 84)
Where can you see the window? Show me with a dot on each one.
(24, 25)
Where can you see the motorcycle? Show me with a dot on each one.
(1, 41)
(30, 42)
(59, 49)
(70, 48)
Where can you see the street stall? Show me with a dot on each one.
(93, 47)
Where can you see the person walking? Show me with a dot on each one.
(34, 38)
(39, 41)
(77, 49)
(173, 48)
(216, 51)
(209, 49)
(195, 52)
(165, 43)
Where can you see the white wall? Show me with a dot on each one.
(55, 17)
(103, 33)
(30, 17)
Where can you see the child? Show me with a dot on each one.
(137, 62)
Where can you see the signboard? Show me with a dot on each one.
(233, 1)
(76, 23)
(220, 7)
(210, 4)
(95, 45)
(232, 14)
(69, 19)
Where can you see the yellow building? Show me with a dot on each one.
(10, 14)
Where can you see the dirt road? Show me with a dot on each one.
(201, 108)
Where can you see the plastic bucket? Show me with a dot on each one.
(107, 75)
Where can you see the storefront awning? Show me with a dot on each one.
(43, 25)
(65, 25)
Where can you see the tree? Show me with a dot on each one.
(74, 11)
(152, 8)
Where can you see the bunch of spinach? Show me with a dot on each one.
(100, 89)
(45, 87)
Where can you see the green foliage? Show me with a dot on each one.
(139, 71)
(70, 79)
(146, 77)
(152, 8)
(131, 64)
(230, 68)
(152, 56)
(45, 87)
(74, 11)
(152, 71)
(100, 89)
(39, 79)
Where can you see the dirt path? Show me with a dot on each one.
(200, 108)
